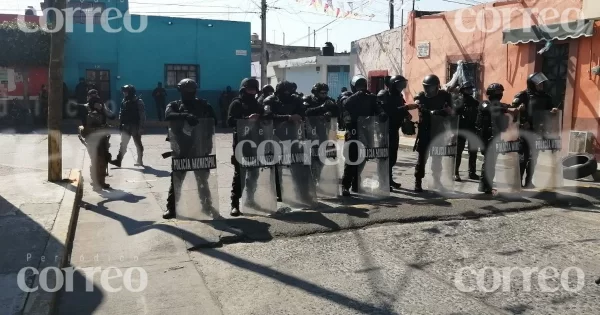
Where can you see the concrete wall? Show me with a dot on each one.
(305, 77)
(140, 58)
(378, 52)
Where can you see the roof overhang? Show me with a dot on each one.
(538, 33)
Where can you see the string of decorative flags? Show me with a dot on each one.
(339, 10)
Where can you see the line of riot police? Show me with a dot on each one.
(447, 122)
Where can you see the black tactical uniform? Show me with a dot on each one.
(95, 134)
(320, 104)
(466, 107)
(286, 106)
(340, 102)
(534, 100)
(432, 101)
(491, 122)
(189, 109)
(393, 104)
(361, 103)
(133, 119)
(242, 107)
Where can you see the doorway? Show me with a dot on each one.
(555, 63)
(99, 80)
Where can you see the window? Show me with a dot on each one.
(79, 16)
(471, 72)
(176, 73)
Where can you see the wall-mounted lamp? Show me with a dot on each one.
(596, 70)
(210, 25)
(170, 23)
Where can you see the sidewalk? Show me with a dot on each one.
(36, 220)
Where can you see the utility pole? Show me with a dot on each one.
(55, 98)
(315, 38)
(263, 44)
(283, 38)
(309, 36)
(391, 14)
(328, 34)
(274, 36)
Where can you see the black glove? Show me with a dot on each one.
(327, 117)
(383, 117)
(191, 119)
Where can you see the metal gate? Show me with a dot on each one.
(555, 66)
(337, 78)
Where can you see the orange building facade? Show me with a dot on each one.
(486, 37)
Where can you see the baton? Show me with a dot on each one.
(167, 154)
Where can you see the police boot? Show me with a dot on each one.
(139, 159)
(529, 183)
(345, 192)
(117, 162)
(418, 185)
(235, 211)
(473, 176)
(457, 178)
(394, 184)
(169, 214)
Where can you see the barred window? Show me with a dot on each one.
(175, 73)
(86, 8)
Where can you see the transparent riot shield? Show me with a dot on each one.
(194, 166)
(546, 156)
(439, 168)
(373, 171)
(295, 183)
(506, 148)
(322, 136)
(255, 154)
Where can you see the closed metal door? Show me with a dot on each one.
(337, 78)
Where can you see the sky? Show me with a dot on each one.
(289, 17)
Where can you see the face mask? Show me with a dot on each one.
(431, 91)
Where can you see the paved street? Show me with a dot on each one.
(378, 257)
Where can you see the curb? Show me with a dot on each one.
(57, 248)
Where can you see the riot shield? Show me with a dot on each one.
(255, 154)
(506, 148)
(296, 186)
(547, 143)
(194, 166)
(439, 168)
(373, 171)
(322, 134)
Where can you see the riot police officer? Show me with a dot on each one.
(133, 119)
(188, 109)
(266, 91)
(287, 106)
(95, 134)
(530, 101)
(466, 107)
(490, 123)
(431, 101)
(319, 103)
(360, 103)
(393, 104)
(245, 106)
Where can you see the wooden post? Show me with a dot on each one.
(55, 97)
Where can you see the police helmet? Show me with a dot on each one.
(187, 85)
(249, 83)
(357, 80)
(494, 89)
(268, 89)
(319, 87)
(129, 88)
(536, 78)
(431, 80)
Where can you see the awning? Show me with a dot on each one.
(538, 33)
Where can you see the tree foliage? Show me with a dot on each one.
(19, 48)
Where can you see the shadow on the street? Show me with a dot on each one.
(17, 247)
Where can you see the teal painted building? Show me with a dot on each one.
(162, 49)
